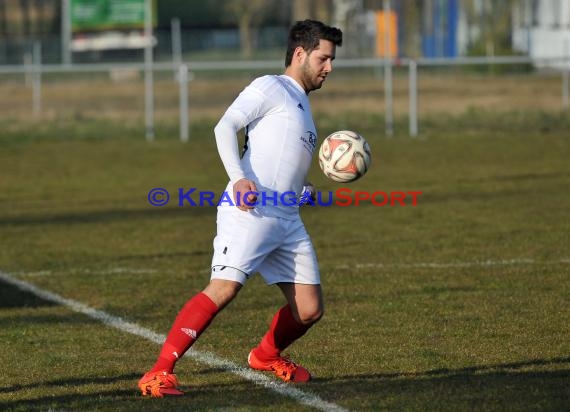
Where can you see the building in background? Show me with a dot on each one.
(541, 29)
(257, 29)
(439, 28)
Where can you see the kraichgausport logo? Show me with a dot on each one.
(340, 197)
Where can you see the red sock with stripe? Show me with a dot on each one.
(284, 330)
(189, 324)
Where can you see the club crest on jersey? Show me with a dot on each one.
(309, 140)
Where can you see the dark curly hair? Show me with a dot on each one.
(307, 34)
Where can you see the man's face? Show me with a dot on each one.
(317, 65)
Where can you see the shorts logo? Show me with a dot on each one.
(189, 332)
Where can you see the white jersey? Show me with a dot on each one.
(281, 140)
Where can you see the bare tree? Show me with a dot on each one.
(492, 18)
(42, 22)
(323, 10)
(3, 26)
(311, 9)
(247, 14)
(301, 9)
(411, 10)
(26, 18)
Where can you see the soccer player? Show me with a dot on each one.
(261, 231)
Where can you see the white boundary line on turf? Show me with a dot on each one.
(208, 358)
(84, 271)
(476, 263)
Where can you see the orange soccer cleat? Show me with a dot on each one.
(283, 368)
(159, 384)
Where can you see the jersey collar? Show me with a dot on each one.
(294, 82)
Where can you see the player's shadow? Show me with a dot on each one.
(119, 392)
(529, 385)
(80, 394)
(71, 382)
(12, 297)
(109, 215)
(533, 384)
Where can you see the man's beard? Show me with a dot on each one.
(310, 78)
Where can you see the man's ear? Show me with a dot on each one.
(299, 54)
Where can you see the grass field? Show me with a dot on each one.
(459, 303)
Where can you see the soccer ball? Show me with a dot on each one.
(344, 156)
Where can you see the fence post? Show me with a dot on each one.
(37, 82)
(148, 73)
(565, 103)
(413, 97)
(388, 82)
(176, 41)
(565, 80)
(65, 32)
(183, 81)
(29, 68)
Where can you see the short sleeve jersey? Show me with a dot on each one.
(281, 140)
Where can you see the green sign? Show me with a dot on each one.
(108, 14)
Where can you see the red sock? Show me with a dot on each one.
(284, 330)
(191, 321)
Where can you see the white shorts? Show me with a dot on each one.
(248, 242)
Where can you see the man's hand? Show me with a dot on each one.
(309, 195)
(245, 194)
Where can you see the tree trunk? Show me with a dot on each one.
(322, 10)
(25, 13)
(301, 10)
(2, 19)
(245, 37)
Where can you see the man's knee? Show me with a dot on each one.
(222, 292)
(310, 316)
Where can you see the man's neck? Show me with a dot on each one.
(291, 73)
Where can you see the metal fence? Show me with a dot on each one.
(384, 84)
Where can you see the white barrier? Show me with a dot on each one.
(189, 67)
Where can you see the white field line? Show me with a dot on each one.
(476, 263)
(84, 271)
(210, 359)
